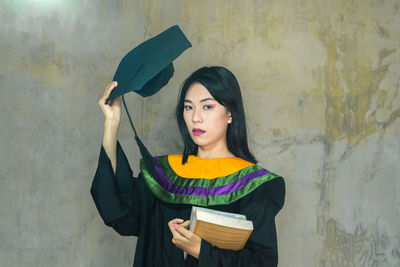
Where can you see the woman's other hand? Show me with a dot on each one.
(183, 238)
(111, 111)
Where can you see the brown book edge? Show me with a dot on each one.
(214, 242)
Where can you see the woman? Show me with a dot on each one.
(216, 170)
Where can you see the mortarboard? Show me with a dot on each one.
(146, 69)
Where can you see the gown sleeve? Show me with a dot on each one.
(117, 196)
(261, 248)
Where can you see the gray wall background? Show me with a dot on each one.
(321, 84)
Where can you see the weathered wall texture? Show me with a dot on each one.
(321, 85)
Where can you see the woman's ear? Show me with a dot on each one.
(229, 116)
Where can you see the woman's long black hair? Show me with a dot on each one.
(223, 86)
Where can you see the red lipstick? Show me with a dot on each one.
(197, 131)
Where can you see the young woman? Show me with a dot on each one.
(216, 170)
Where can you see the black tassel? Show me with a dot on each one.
(146, 156)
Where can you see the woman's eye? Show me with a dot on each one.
(187, 107)
(207, 107)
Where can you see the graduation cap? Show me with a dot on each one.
(146, 69)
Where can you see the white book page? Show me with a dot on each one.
(222, 213)
(223, 220)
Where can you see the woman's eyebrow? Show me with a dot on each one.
(206, 99)
(203, 100)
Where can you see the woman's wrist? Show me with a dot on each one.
(110, 124)
(110, 133)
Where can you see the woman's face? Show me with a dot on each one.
(206, 119)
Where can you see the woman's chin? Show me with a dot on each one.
(198, 141)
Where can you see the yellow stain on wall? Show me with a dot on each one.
(352, 87)
(351, 249)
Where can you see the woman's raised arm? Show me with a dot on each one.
(114, 190)
(112, 118)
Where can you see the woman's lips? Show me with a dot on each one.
(198, 131)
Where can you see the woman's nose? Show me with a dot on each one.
(197, 117)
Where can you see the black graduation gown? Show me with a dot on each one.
(126, 204)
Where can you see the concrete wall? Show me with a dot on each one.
(321, 85)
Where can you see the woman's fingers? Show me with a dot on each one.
(108, 91)
(109, 88)
(176, 220)
(180, 234)
(112, 110)
(183, 231)
(183, 238)
(186, 224)
(174, 223)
